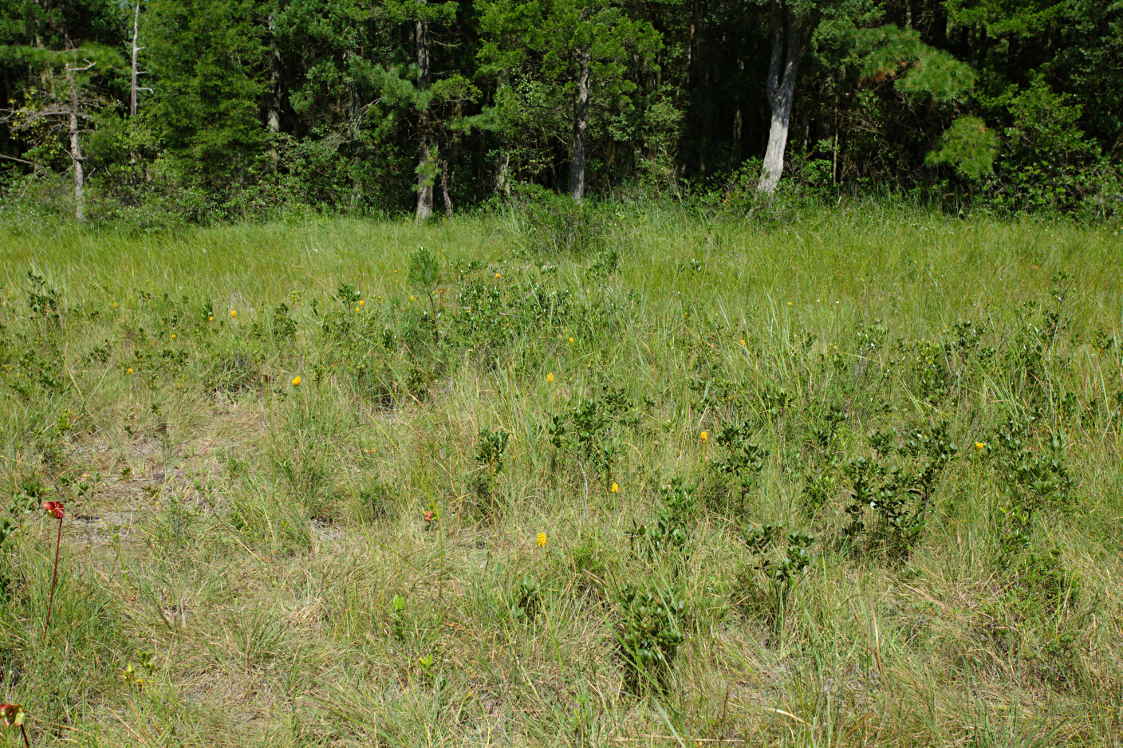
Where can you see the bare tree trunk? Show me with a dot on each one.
(503, 172)
(426, 175)
(580, 125)
(76, 148)
(503, 177)
(273, 111)
(444, 188)
(427, 163)
(787, 47)
(134, 81)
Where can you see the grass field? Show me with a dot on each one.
(853, 479)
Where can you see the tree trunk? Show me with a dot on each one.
(134, 80)
(444, 188)
(503, 177)
(580, 125)
(787, 47)
(273, 111)
(426, 176)
(427, 161)
(76, 149)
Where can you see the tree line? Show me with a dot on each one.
(223, 108)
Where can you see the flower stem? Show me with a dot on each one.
(23, 732)
(54, 582)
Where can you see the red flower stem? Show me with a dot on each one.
(23, 731)
(54, 581)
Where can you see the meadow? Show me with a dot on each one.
(594, 475)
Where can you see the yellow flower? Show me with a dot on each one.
(541, 539)
(742, 342)
(498, 276)
(129, 675)
(129, 370)
(233, 313)
(550, 378)
(614, 488)
(704, 436)
(357, 308)
(210, 318)
(571, 340)
(173, 336)
(980, 445)
(790, 303)
(296, 381)
(362, 302)
(413, 298)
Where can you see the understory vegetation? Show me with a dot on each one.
(582, 474)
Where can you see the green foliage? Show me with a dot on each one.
(490, 449)
(891, 496)
(42, 299)
(968, 146)
(916, 69)
(741, 465)
(210, 58)
(489, 452)
(550, 55)
(264, 110)
(783, 559)
(25, 498)
(1048, 162)
(1034, 478)
(553, 225)
(527, 601)
(648, 635)
(424, 270)
(493, 314)
(591, 428)
(668, 536)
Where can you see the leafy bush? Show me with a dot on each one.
(667, 537)
(648, 635)
(590, 429)
(555, 225)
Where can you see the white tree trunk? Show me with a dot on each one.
(444, 188)
(426, 176)
(76, 149)
(273, 111)
(503, 176)
(427, 159)
(777, 145)
(580, 125)
(787, 47)
(133, 87)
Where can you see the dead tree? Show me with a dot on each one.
(427, 150)
(73, 114)
(66, 109)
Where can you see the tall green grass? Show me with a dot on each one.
(901, 527)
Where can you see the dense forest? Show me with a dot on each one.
(205, 110)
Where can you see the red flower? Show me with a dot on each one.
(11, 714)
(53, 508)
(429, 515)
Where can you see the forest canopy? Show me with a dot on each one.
(205, 110)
